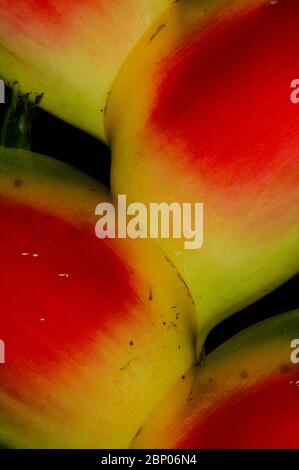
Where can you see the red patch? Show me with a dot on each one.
(60, 286)
(224, 95)
(265, 416)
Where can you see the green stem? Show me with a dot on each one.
(17, 123)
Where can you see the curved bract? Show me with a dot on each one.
(95, 330)
(246, 395)
(71, 50)
(212, 121)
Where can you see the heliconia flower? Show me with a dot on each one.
(246, 395)
(95, 330)
(71, 50)
(211, 120)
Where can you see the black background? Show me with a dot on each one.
(52, 137)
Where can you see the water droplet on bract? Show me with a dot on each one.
(35, 255)
(25, 254)
(63, 275)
